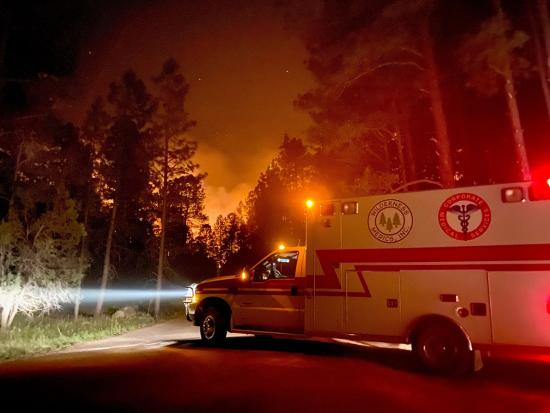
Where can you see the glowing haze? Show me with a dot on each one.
(244, 70)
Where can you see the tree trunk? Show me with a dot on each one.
(83, 246)
(399, 143)
(77, 300)
(408, 146)
(12, 313)
(443, 145)
(513, 111)
(107, 261)
(16, 173)
(542, 68)
(387, 155)
(5, 317)
(163, 228)
(545, 24)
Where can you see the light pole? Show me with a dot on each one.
(309, 205)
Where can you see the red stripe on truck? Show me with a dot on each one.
(389, 259)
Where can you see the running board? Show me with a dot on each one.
(269, 333)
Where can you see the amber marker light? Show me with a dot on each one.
(243, 275)
(281, 247)
(309, 203)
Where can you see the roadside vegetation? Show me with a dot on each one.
(32, 336)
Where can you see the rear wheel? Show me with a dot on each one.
(213, 327)
(442, 348)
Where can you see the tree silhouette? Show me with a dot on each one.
(124, 164)
(492, 61)
(170, 124)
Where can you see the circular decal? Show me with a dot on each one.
(390, 221)
(464, 216)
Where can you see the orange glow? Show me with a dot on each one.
(244, 275)
(281, 247)
(309, 203)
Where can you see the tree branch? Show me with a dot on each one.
(349, 82)
(37, 234)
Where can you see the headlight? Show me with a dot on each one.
(189, 294)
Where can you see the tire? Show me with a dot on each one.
(443, 349)
(213, 327)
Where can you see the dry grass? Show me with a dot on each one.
(29, 337)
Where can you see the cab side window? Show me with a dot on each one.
(277, 266)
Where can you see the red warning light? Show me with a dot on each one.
(540, 187)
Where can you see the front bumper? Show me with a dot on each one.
(189, 302)
(190, 311)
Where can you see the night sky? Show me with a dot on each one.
(244, 67)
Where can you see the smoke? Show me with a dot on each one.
(231, 176)
(221, 201)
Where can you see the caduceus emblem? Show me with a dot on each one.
(464, 212)
(464, 216)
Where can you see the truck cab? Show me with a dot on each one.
(267, 298)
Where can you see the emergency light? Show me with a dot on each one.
(514, 194)
(540, 190)
(327, 210)
(350, 208)
(540, 185)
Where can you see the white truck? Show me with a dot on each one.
(453, 272)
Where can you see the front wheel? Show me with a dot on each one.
(442, 348)
(213, 327)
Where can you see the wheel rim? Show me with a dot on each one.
(209, 327)
(440, 351)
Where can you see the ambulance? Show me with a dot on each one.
(455, 273)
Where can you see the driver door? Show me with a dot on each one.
(273, 300)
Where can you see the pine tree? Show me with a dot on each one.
(124, 161)
(178, 181)
(396, 220)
